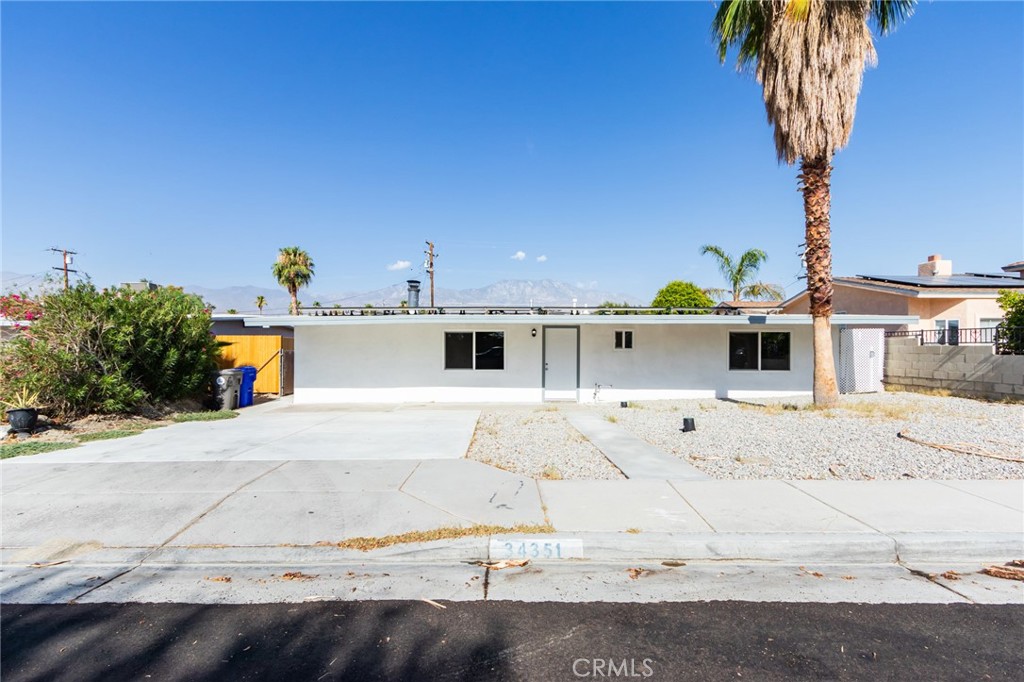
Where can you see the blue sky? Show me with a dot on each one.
(186, 142)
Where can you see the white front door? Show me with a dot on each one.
(561, 363)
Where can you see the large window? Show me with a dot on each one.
(759, 350)
(474, 350)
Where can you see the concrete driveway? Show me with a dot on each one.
(278, 433)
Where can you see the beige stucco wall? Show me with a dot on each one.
(969, 312)
(857, 301)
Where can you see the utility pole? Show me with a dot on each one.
(68, 260)
(429, 266)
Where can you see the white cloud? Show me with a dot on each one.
(542, 259)
(519, 255)
(399, 265)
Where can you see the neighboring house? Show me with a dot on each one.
(531, 355)
(940, 299)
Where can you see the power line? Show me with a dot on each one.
(429, 266)
(68, 260)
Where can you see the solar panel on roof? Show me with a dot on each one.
(954, 281)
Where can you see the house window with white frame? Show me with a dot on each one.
(947, 332)
(474, 350)
(623, 339)
(765, 351)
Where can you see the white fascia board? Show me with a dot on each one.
(451, 320)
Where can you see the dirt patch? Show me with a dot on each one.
(100, 426)
(365, 544)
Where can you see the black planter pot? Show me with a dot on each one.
(23, 420)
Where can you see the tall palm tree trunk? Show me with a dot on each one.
(294, 292)
(815, 177)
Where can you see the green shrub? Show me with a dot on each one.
(1012, 303)
(111, 351)
(679, 294)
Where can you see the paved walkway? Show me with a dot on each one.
(634, 458)
(284, 489)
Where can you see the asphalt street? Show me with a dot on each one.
(415, 640)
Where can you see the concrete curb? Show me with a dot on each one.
(958, 546)
(784, 548)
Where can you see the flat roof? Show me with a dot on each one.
(549, 320)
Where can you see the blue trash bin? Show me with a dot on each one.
(245, 393)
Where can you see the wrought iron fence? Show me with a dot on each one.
(1004, 340)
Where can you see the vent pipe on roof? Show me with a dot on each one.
(414, 293)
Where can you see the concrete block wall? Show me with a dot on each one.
(971, 370)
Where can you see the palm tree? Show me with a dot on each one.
(739, 273)
(260, 302)
(809, 57)
(293, 270)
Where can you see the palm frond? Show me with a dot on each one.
(888, 14)
(750, 262)
(740, 23)
(722, 259)
(763, 291)
(717, 294)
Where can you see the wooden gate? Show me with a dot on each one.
(268, 354)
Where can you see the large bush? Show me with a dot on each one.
(1012, 303)
(112, 350)
(679, 294)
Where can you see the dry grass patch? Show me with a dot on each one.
(612, 418)
(880, 410)
(551, 473)
(365, 544)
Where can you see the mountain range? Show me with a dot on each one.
(515, 292)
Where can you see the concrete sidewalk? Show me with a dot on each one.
(226, 494)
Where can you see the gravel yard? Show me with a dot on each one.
(538, 442)
(783, 439)
(857, 441)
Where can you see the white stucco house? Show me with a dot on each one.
(532, 355)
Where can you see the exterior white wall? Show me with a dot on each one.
(405, 363)
(683, 361)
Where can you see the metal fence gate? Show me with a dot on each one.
(861, 360)
(287, 358)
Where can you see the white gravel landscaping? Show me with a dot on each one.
(785, 440)
(776, 439)
(538, 442)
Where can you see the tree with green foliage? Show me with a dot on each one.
(1012, 326)
(679, 294)
(111, 351)
(293, 270)
(613, 305)
(260, 302)
(739, 273)
(809, 57)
